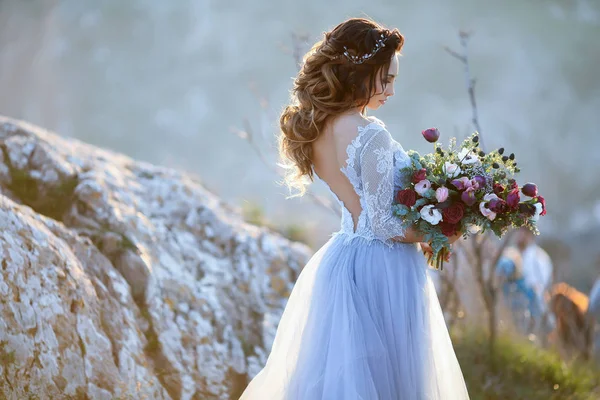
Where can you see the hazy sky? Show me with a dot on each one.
(167, 82)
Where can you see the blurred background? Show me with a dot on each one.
(198, 85)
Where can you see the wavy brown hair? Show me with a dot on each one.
(329, 84)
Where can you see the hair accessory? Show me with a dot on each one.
(361, 59)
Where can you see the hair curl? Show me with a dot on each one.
(329, 84)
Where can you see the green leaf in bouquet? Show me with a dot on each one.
(497, 229)
(411, 153)
(429, 194)
(428, 237)
(420, 202)
(416, 159)
(406, 170)
(402, 209)
(439, 242)
(413, 216)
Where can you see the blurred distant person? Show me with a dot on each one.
(518, 295)
(537, 265)
(527, 272)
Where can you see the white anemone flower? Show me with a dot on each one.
(467, 156)
(451, 170)
(538, 210)
(486, 212)
(431, 215)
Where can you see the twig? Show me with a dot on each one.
(469, 82)
(449, 299)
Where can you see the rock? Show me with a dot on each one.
(120, 279)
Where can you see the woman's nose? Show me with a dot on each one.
(389, 91)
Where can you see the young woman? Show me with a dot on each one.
(363, 320)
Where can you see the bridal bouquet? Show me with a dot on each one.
(463, 190)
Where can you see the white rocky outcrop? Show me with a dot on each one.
(124, 280)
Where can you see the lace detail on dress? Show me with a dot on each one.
(372, 167)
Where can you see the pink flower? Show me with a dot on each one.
(441, 194)
(462, 183)
(422, 187)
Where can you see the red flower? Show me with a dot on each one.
(448, 229)
(498, 189)
(419, 175)
(431, 135)
(529, 189)
(513, 197)
(541, 200)
(497, 205)
(408, 197)
(454, 213)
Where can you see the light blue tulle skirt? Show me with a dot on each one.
(362, 322)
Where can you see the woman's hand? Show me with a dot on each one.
(454, 238)
(426, 249)
(428, 252)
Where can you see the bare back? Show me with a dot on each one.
(330, 155)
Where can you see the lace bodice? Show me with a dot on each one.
(373, 168)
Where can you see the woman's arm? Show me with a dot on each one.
(377, 176)
(414, 236)
(411, 235)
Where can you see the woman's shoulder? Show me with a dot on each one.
(348, 127)
(351, 132)
(376, 120)
(348, 123)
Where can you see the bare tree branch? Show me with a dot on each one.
(469, 82)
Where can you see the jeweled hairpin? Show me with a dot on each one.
(361, 59)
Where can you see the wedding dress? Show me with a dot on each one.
(363, 320)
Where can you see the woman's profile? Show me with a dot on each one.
(363, 320)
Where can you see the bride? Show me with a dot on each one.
(363, 320)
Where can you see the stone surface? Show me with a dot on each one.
(121, 279)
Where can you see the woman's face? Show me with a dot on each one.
(382, 93)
